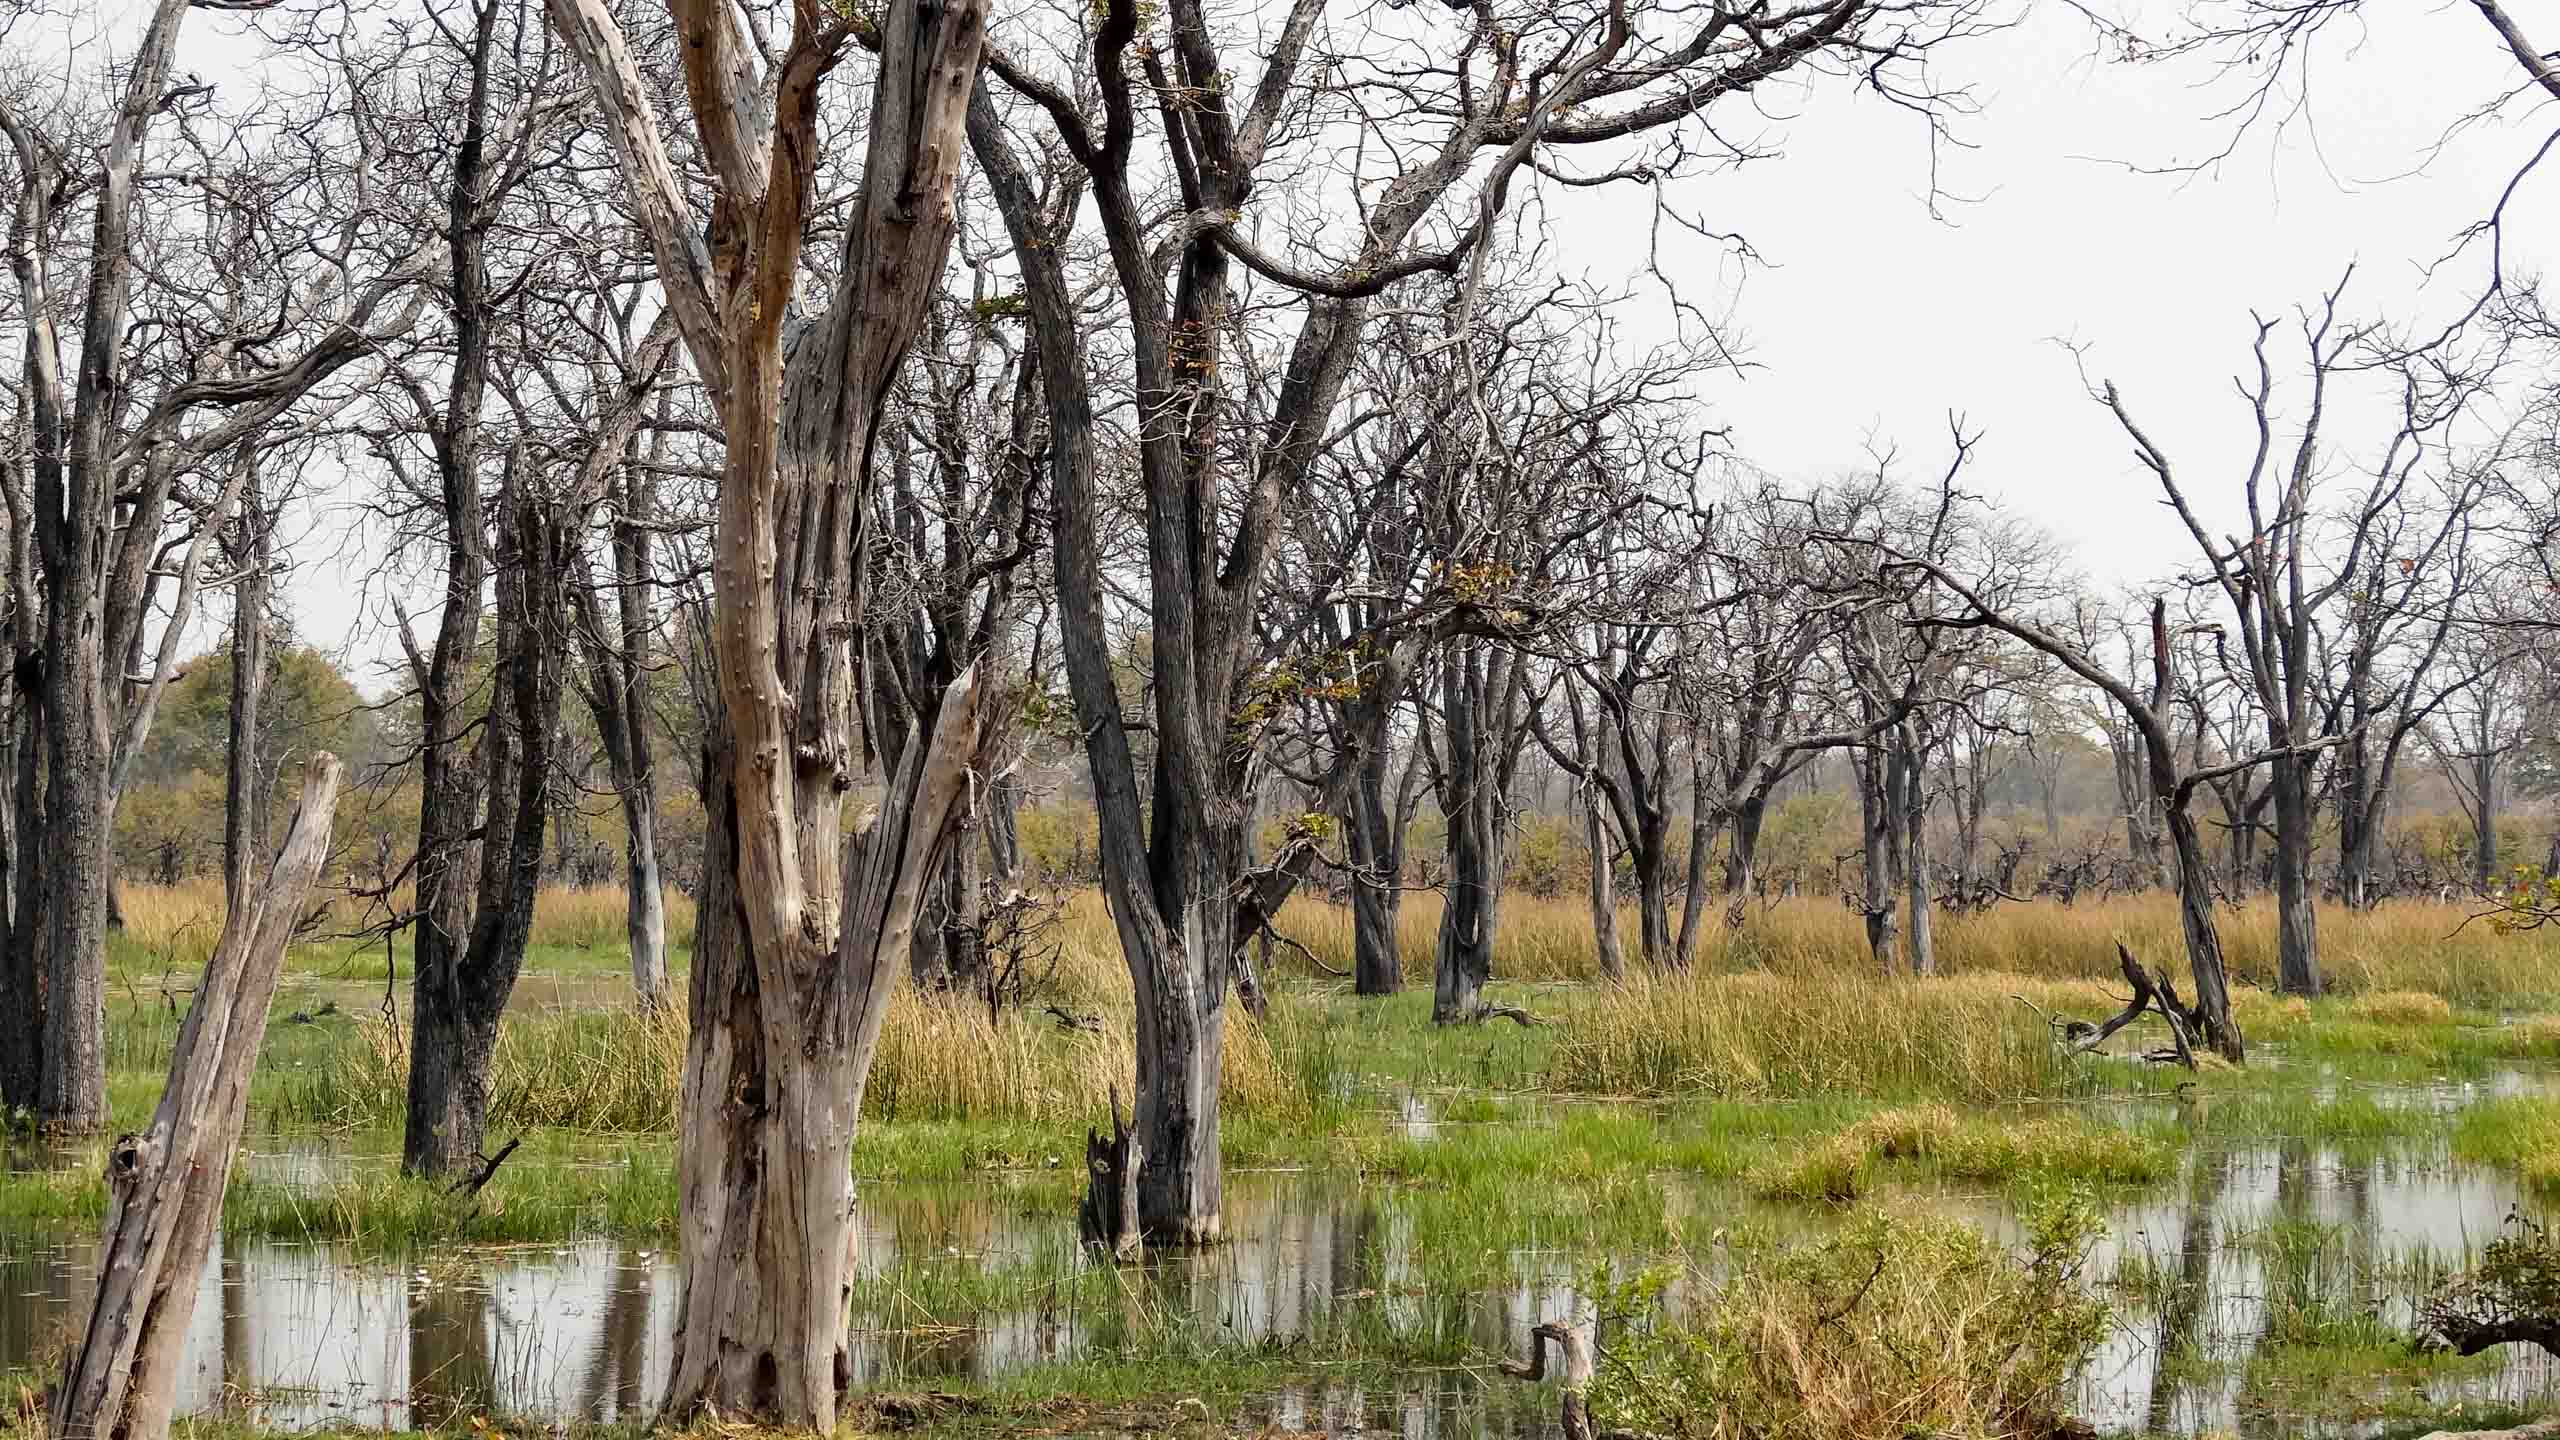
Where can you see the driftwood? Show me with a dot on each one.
(1575, 1353)
(164, 1186)
(1108, 1219)
(2512, 1296)
(470, 1184)
(1513, 1013)
(2151, 992)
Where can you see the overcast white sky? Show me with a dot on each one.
(1873, 318)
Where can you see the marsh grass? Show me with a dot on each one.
(2008, 1150)
(1890, 1327)
(622, 1071)
(1784, 1035)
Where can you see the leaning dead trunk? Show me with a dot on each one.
(2204, 939)
(165, 1185)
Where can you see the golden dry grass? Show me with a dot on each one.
(2401, 945)
(623, 1070)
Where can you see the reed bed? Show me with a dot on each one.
(176, 926)
(1787, 1035)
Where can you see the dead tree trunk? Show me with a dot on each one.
(165, 1185)
(803, 935)
(461, 989)
(1921, 936)
(1604, 888)
(243, 807)
(617, 694)
(1108, 1219)
(2297, 921)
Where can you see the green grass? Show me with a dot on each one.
(1667, 1123)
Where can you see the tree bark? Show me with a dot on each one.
(460, 991)
(1742, 859)
(802, 934)
(2297, 921)
(1604, 889)
(1921, 935)
(166, 1184)
(243, 808)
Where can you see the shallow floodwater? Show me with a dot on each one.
(301, 1336)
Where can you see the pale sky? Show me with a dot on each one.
(1873, 319)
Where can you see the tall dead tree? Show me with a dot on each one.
(116, 464)
(1530, 79)
(802, 934)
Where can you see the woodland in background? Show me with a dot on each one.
(873, 473)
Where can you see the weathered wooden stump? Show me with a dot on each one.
(164, 1186)
(1108, 1218)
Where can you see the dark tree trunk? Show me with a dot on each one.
(1373, 836)
(1742, 859)
(461, 991)
(2214, 1024)
(964, 945)
(1479, 695)
(1879, 812)
(243, 808)
(2297, 921)
(1921, 936)
(2484, 820)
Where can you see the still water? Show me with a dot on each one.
(301, 1336)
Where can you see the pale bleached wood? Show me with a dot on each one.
(165, 1185)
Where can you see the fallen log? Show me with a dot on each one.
(164, 1186)
(2150, 994)
(2511, 1297)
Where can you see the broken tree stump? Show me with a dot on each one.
(2150, 993)
(1108, 1218)
(164, 1186)
(1575, 1354)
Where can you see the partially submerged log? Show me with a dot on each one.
(1575, 1373)
(164, 1186)
(1108, 1219)
(2511, 1297)
(2154, 993)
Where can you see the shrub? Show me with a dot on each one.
(1892, 1327)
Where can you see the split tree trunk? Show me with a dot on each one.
(165, 1186)
(764, 1156)
(802, 935)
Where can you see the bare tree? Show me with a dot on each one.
(802, 934)
(119, 502)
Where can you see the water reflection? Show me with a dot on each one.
(979, 1281)
(304, 1336)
